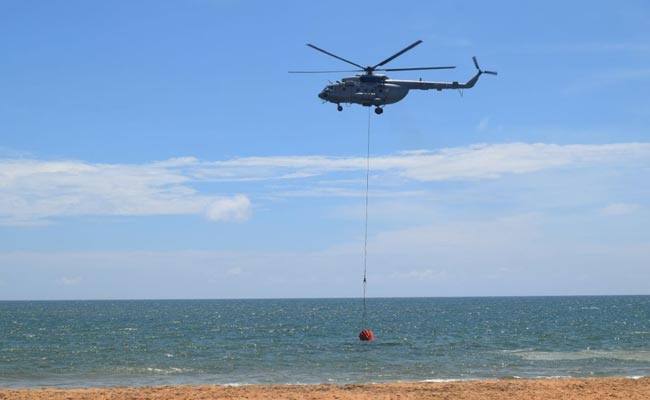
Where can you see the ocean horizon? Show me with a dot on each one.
(88, 343)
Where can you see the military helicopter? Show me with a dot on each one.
(376, 90)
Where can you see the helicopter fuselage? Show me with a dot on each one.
(379, 90)
(367, 90)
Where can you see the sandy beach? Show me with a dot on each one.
(539, 389)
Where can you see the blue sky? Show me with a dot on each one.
(161, 150)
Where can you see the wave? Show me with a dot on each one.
(151, 370)
(623, 355)
(449, 380)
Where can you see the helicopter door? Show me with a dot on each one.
(383, 91)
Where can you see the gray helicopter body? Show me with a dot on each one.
(376, 90)
(379, 90)
(367, 90)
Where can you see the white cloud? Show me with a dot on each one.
(527, 254)
(483, 124)
(234, 271)
(492, 161)
(69, 281)
(620, 209)
(478, 161)
(35, 191)
(236, 208)
(420, 275)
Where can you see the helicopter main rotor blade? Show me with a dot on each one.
(334, 55)
(324, 72)
(394, 56)
(490, 72)
(412, 69)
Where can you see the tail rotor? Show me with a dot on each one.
(480, 71)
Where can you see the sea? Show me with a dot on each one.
(69, 344)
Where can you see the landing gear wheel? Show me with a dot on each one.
(339, 107)
(379, 110)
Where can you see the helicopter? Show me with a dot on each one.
(371, 89)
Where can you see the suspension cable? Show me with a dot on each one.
(365, 236)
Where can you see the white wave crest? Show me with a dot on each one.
(625, 355)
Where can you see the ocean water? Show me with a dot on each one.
(238, 342)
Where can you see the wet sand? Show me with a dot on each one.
(511, 389)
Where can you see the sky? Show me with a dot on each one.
(156, 149)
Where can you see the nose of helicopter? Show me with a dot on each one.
(322, 95)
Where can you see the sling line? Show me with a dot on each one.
(365, 236)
